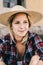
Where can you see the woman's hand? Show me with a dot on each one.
(40, 62)
(2, 63)
(35, 60)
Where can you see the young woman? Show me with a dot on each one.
(20, 47)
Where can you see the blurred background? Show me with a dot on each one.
(34, 5)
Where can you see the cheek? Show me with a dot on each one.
(27, 26)
(14, 28)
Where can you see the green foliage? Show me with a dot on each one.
(41, 35)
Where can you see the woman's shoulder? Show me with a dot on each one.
(32, 34)
(5, 39)
(35, 36)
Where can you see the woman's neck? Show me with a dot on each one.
(20, 39)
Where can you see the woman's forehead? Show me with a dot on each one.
(20, 15)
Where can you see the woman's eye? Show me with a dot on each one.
(17, 22)
(25, 22)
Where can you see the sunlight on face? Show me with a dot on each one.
(20, 25)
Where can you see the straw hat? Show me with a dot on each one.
(33, 16)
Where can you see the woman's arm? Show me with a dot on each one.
(38, 49)
(1, 52)
(38, 46)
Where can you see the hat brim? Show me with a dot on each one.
(33, 16)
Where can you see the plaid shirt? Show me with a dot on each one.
(8, 51)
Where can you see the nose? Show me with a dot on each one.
(21, 26)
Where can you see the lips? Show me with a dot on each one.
(21, 30)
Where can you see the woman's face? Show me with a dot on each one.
(20, 25)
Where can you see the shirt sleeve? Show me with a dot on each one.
(38, 46)
(1, 50)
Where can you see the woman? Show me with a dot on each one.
(20, 47)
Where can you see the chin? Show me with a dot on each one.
(22, 35)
